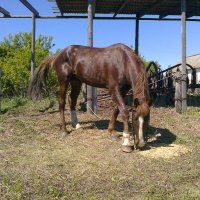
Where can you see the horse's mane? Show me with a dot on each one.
(141, 90)
(141, 93)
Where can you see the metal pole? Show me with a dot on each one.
(137, 34)
(183, 68)
(91, 91)
(33, 46)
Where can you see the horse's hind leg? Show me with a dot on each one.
(61, 100)
(72, 99)
(117, 98)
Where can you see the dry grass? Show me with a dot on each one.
(37, 164)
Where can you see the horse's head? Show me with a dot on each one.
(140, 120)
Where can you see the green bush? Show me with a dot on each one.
(15, 59)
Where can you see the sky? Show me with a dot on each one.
(158, 40)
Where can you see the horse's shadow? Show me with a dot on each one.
(161, 136)
(103, 125)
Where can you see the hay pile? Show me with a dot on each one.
(166, 152)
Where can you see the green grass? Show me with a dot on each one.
(36, 163)
(20, 103)
(194, 111)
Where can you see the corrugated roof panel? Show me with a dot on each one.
(143, 7)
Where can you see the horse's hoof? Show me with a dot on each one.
(64, 134)
(127, 149)
(114, 138)
(78, 126)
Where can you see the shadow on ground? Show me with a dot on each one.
(165, 136)
(103, 125)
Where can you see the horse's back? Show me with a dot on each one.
(101, 67)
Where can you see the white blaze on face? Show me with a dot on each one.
(141, 138)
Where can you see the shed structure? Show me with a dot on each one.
(194, 61)
(137, 10)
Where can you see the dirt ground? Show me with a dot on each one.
(37, 163)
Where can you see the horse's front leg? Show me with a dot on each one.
(112, 122)
(117, 98)
(115, 114)
(61, 100)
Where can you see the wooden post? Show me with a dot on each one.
(33, 46)
(91, 91)
(178, 91)
(90, 43)
(137, 35)
(183, 68)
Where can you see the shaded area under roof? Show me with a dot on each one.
(162, 8)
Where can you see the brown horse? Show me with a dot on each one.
(116, 68)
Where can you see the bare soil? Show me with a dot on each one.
(37, 163)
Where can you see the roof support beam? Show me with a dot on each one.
(99, 18)
(183, 67)
(91, 91)
(30, 7)
(121, 8)
(152, 7)
(4, 11)
(137, 35)
(33, 46)
(163, 16)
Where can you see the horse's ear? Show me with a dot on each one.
(136, 102)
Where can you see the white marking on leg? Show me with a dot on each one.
(141, 138)
(74, 120)
(78, 126)
(126, 139)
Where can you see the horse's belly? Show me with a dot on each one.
(94, 75)
(96, 80)
(93, 82)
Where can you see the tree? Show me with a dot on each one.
(15, 59)
(146, 63)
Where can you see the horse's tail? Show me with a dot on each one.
(37, 83)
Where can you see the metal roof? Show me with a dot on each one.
(116, 9)
(162, 8)
(193, 60)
